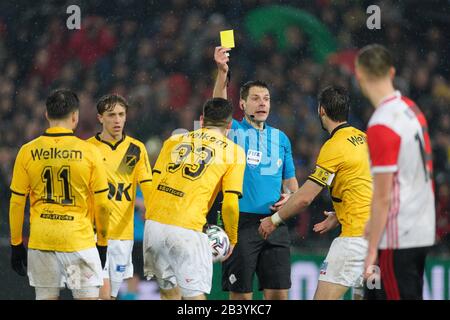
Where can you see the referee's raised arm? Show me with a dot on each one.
(221, 58)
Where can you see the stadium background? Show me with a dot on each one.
(159, 55)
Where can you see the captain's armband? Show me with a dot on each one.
(322, 176)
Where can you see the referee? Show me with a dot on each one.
(268, 181)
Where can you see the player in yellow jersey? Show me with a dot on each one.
(127, 165)
(191, 169)
(343, 166)
(58, 172)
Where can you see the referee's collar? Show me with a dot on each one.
(58, 132)
(249, 126)
(341, 126)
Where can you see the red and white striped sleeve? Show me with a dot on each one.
(384, 148)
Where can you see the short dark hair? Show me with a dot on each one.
(336, 102)
(375, 59)
(217, 112)
(250, 84)
(109, 101)
(60, 103)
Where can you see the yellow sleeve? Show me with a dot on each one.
(101, 205)
(143, 168)
(20, 183)
(20, 187)
(328, 163)
(16, 216)
(233, 179)
(160, 164)
(230, 215)
(102, 211)
(144, 174)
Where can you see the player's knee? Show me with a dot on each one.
(170, 294)
(241, 296)
(200, 296)
(275, 294)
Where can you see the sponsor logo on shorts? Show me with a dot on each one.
(323, 268)
(188, 280)
(121, 267)
(232, 279)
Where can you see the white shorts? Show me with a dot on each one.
(119, 265)
(177, 256)
(344, 263)
(53, 269)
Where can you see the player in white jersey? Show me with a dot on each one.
(401, 228)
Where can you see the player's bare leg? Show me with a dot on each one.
(329, 291)
(276, 294)
(241, 296)
(105, 290)
(199, 297)
(170, 294)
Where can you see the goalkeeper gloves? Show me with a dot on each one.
(19, 259)
(102, 253)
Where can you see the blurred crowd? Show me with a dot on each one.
(159, 55)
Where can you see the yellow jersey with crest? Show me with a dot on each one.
(127, 165)
(191, 169)
(58, 172)
(343, 166)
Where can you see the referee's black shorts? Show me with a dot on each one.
(401, 273)
(270, 258)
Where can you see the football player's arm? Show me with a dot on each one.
(220, 86)
(16, 217)
(290, 183)
(20, 187)
(101, 205)
(160, 163)
(230, 215)
(144, 174)
(232, 184)
(102, 211)
(384, 147)
(381, 200)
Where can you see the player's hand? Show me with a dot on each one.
(221, 58)
(19, 260)
(266, 227)
(371, 260)
(102, 250)
(230, 252)
(328, 224)
(281, 202)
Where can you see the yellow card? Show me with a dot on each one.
(227, 39)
